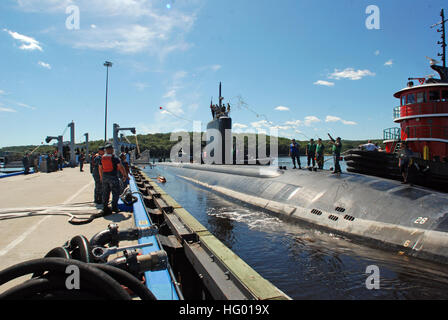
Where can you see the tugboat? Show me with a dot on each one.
(423, 118)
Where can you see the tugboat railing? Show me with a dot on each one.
(427, 131)
(392, 134)
(420, 109)
(396, 112)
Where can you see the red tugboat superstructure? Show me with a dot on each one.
(423, 118)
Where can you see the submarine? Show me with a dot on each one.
(374, 210)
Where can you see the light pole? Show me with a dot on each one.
(107, 64)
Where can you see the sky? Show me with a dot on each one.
(305, 68)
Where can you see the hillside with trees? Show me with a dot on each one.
(160, 145)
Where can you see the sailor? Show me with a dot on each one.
(369, 146)
(82, 158)
(294, 153)
(311, 152)
(404, 162)
(337, 147)
(60, 161)
(108, 169)
(36, 163)
(26, 163)
(212, 108)
(320, 154)
(96, 161)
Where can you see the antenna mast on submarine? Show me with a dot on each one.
(220, 97)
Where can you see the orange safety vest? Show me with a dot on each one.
(107, 163)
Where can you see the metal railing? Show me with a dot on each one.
(396, 112)
(420, 109)
(425, 131)
(392, 134)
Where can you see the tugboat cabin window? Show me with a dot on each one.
(421, 97)
(444, 95)
(434, 95)
(403, 100)
(411, 98)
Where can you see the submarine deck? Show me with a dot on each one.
(27, 238)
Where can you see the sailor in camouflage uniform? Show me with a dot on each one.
(108, 169)
(96, 161)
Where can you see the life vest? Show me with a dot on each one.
(107, 163)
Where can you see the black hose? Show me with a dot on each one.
(108, 237)
(81, 249)
(101, 238)
(89, 276)
(58, 252)
(50, 287)
(80, 221)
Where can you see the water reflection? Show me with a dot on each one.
(305, 262)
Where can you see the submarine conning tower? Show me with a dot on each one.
(220, 124)
(423, 112)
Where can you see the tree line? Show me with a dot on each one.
(160, 145)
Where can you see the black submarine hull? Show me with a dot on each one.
(384, 213)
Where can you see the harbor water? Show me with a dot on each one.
(303, 261)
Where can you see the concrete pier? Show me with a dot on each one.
(28, 238)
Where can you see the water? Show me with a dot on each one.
(304, 262)
(5, 171)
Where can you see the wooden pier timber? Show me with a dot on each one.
(197, 256)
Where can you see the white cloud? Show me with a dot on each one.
(44, 65)
(24, 105)
(134, 26)
(28, 43)
(180, 75)
(281, 127)
(174, 106)
(350, 73)
(259, 124)
(294, 123)
(282, 108)
(377, 52)
(2, 92)
(338, 119)
(47, 5)
(170, 94)
(389, 63)
(2, 109)
(309, 120)
(324, 83)
(239, 126)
